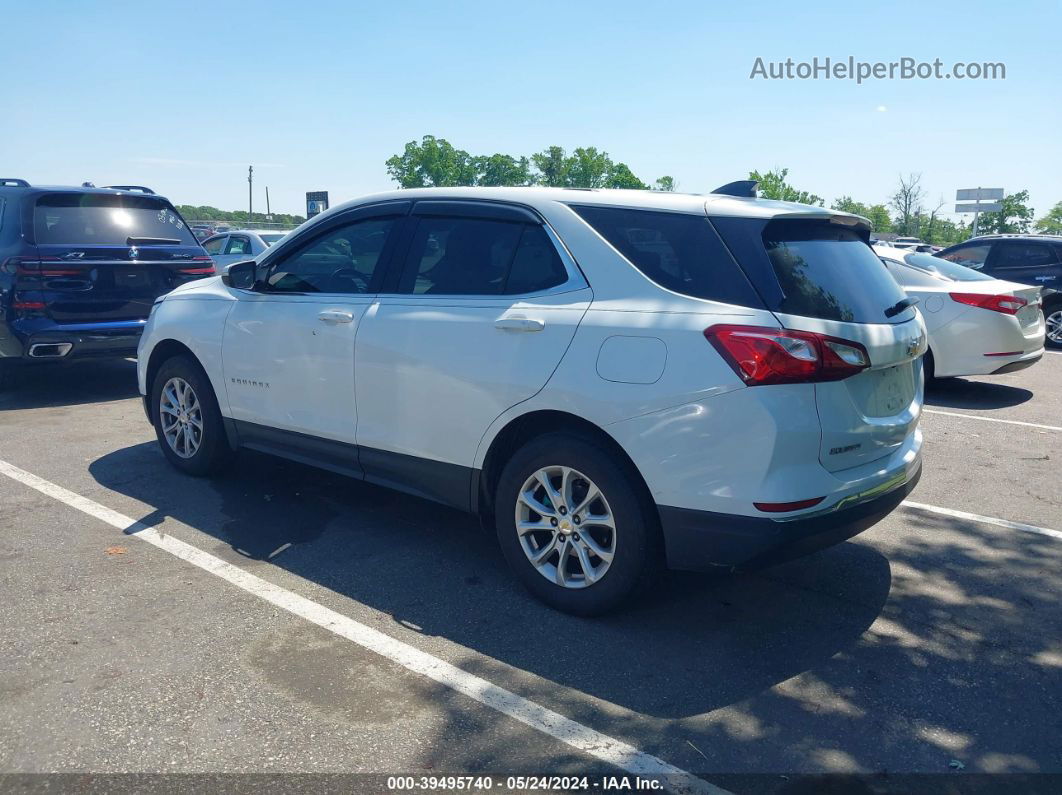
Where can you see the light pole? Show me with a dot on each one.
(250, 193)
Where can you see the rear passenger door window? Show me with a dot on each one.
(479, 256)
(215, 246)
(1009, 255)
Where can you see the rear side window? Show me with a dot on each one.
(87, 218)
(238, 245)
(1023, 255)
(968, 256)
(479, 256)
(678, 251)
(828, 272)
(944, 269)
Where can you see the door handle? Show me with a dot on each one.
(519, 324)
(335, 316)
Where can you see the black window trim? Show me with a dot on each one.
(480, 209)
(286, 248)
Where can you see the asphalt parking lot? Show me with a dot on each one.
(930, 644)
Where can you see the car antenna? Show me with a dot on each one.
(742, 187)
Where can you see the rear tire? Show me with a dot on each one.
(187, 419)
(929, 367)
(592, 555)
(1053, 322)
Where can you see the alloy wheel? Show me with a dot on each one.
(181, 416)
(1054, 326)
(565, 526)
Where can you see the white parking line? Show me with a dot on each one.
(976, 517)
(607, 749)
(992, 419)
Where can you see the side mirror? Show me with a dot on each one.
(240, 275)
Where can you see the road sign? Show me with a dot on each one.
(983, 207)
(316, 202)
(976, 194)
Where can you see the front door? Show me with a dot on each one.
(288, 348)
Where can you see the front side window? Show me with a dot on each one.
(342, 260)
(214, 246)
(108, 220)
(1023, 255)
(480, 256)
(968, 256)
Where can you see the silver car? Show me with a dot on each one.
(240, 244)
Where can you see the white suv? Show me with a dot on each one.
(615, 380)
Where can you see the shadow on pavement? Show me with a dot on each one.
(697, 643)
(70, 384)
(958, 393)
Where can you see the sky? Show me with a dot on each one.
(184, 96)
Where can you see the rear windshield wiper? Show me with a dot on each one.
(899, 306)
(148, 241)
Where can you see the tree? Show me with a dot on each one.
(907, 202)
(432, 163)
(665, 184)
(587, 168)
(773, 186)
(879, 218)
(1051, 224)
(551, 165)
(620, 176)
(846, 204)
(207, 213)
(1015, 216)
(500, 169)
(931, 225)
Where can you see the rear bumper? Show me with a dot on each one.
(54, 343)
(1026, 360)
(702, 540)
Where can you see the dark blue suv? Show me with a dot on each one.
(1027, 259)
(81, 267)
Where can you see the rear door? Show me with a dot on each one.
(823, 277)
(106, 257)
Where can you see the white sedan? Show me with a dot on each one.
(977, 325)
(238, 245)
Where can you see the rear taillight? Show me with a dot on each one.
(28, 305)
(1007, 304)
(762, 355)
(26, 266)
(200, 270)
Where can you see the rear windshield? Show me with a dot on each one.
(86, 218)
(676, 250)
(829, 272)
(950, 271)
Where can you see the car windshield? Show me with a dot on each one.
(103, 219)
(269, 238)
(943, 269)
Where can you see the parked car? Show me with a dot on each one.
(240, 244)
(1026, 259)
(611, 379)
(978, 325)
(81, 267)
(202, 231)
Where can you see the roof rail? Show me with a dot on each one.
(133, 188)
(13, 182)
(742, 187)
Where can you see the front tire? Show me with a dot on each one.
(575, 524)
(187, 419)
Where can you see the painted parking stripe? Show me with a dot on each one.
(976, 517)
(607, 749)
(993, 419)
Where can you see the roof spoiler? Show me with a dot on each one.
(742, 187)
(132, 188)
(13, 182)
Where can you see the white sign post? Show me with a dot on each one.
(980, 200)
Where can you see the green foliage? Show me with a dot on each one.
(773, 186)
(846, 204)
(665, 184)
(1016, 216)
(239, 217)
(879, 217)
(1051, 224)
(434, 162)
(907, 202)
